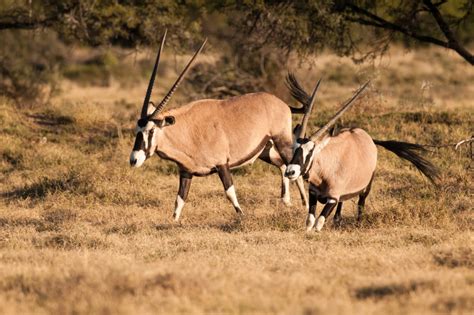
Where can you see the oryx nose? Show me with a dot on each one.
(133, 162)
(290, 173)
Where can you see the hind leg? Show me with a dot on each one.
(272, 156)
(226, 178)
(361, 202)
(337, 215)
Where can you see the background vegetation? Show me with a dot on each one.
(81, 232)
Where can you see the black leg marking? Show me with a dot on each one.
(338, 216)
(362, 197)
(226, 178)
(330, 205)
(184, 185)
(311, 219)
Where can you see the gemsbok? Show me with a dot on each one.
(213, 136)
(341, 167)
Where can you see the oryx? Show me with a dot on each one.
(213, 136)
(341, 167)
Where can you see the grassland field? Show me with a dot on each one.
(83, 233)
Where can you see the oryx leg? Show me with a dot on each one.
(285, 186)
(226, 178)
(361, 202)
(311, 219)
(331, 203)
(184, 185)
(271, 156)
(337, 215)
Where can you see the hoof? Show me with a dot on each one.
(310, 222)
(176, 217)
(239, 211)
(337, 222)
(320, 223)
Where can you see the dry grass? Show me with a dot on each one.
(81, 232)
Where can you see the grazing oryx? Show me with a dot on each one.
(341, 167)
(214, 136)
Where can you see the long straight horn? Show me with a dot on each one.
(152, 79)
(343, 109)
(304, 123)
(178, 81)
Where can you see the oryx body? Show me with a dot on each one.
(213, 136)
(342, 167)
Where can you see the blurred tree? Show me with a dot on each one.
(258, 33)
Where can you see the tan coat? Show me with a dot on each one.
(344, 166)
(207, 133)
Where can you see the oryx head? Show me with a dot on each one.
(305, 149)
(151, 123)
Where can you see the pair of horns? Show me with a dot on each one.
(165, 100)
(333, 120)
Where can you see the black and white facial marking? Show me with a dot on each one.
(304, 152)
(145, 141)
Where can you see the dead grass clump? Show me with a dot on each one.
(64, 241)
(455, 257)
(124, 229)
(378, 292)
(455, 304)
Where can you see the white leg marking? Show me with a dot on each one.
(286, 187)
(310, 222)
(179, 204)
(230, 192)
(320, 223)
(332, 201)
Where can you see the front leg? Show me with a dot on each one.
(226, 178)
(325, 213)
(184, 185)
(313, 200)
(285, 187)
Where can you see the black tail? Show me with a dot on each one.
(298, 93)
(409, 151)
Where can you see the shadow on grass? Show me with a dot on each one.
(391, 290)
(46, 186)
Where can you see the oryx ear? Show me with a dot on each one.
(297, 131)
(151, 108)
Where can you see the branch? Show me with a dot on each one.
(26, 25)
(365, 17)
(453, 43)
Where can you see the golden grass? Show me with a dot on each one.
(81, 232)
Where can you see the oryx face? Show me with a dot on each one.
(303, 155)
(147, 133)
